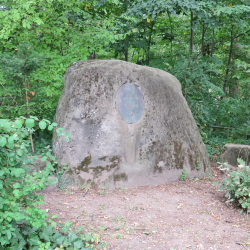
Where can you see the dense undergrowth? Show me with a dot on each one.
(22, 223)
(237, 185)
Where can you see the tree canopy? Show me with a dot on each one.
(204, 43)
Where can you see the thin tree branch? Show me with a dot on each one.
(242, 34)
(32, 145)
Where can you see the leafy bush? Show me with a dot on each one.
(21, 85)
(237, 186)
(183, 175)
(196, 77)
(22, 222)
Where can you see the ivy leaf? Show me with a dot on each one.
(44, 158)
(59, 238)
(16, 185)
(52, 157)
(48, 229)
(33, 240)
(48, 164)
(17, 171)
(42, 124)
(65, 229)
(50, 127)
(46, 233)
(58, 132)
(10, 141)
(8, 181)
(18, 123)
(78, 244)
(16, 246)
(8, 232)
(16, 192)
(5, 124)
(29, 123)
(72, 237)
(3, 141)
(222, 187)
(53, 224)
(100, 246)
(88, 237)
(19, 152)
(65, 242)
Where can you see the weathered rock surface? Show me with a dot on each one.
(118, 138)
(230, 152)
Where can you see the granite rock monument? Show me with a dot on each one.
(129, 126)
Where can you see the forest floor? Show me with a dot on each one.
(181, 215)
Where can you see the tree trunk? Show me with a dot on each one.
(126, 54)
(229, 60)
(61, 49)
(212, 50)
(202, 40)
(171, 29)
(133, 55)
(149, 43)
(191, 34)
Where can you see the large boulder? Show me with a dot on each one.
(129, 125)
(230, 152)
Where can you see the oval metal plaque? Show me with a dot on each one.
(129, 103)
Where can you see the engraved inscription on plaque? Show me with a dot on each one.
(129, 103)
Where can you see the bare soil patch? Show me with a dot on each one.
(182, 215)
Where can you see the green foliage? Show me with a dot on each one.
(38, 41)
(22, 222)
(237, 186)
(219, 117)
(195, 77)
(20, 217)
(183, 175)
(61, 182)
(198, 165)
(16, 73)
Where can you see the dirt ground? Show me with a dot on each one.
(182, 215)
